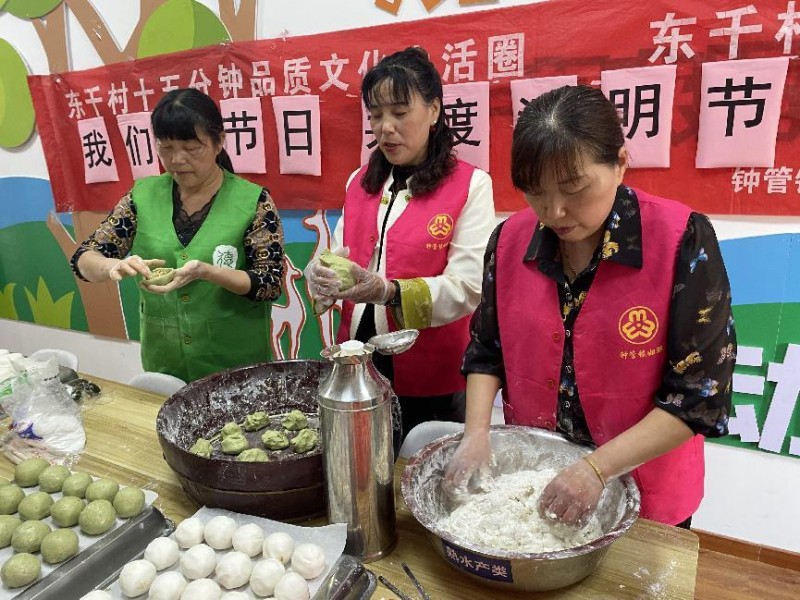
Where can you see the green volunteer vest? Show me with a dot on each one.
(200, 328)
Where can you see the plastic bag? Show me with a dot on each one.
(44, 420)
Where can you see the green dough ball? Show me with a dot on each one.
(76, 484)
(129, 502)
(98, 517)
(10, 497)
(231, 428)
(305, 441)
(65, 511)
(253, 455)
(102, 489)
(26, 473)
(59, 545)
(20, 570)
(28, 536)
(51, 480)
(275, 440)
(4, 481)
(202, 447)
(7, 526)
(159, 276)
(234, 444)
(258, 420)
(295, 421)
(35, 506)
(341, 265)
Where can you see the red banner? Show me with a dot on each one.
(556, 38)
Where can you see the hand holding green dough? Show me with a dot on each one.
(28, 536)
(129, 502)
(305, 441)
(65, 511)
(51, 480)
(20, 570)
(253, 455)
(234, 444)
(102, 489)
(342, 267)
(35, 506)
(98, 517)
(10, 497)
(159, 276)
(202, 447)
(76, 484)
(8, 524)
(59, 545)
(255, 421)
(26, 473)
(275, 440)
(295, 421)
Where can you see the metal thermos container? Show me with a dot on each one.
(355, 407)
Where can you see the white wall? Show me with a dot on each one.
(750, 495)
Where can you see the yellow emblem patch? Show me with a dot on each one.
(638, 325)
(440, 226)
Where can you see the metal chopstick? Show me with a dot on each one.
(394, 589)
(416, 582)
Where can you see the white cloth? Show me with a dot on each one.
(456, 292)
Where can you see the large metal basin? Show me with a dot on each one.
(515, 448)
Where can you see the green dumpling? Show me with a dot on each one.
(102, 489)
(51, 480)
(28, 536)
(129, 502)
(253, 455)
(257, 420)
(295, 421)
(231, 428)
(98, 517)
(26, 473)
(159, 276)
(275, 440)
(305, 441)
(342, 266)
(76, 484)
(8, 524)
(202, 447)
(35, 506)
(65, 511)
(234, 444)
(20, 570)
(10, 497)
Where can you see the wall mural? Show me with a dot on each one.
(37, 286)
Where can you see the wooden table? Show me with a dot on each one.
(652, 562)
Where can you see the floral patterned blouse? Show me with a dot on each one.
(701, 352)
(263, 241)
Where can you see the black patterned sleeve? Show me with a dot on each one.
(114, 237)
(484, 353)
(697, 386)
(263, 247)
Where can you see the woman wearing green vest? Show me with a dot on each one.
(220, 233)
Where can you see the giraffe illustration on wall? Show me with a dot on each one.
(290, 317)
(317, 222)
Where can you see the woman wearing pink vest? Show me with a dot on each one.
(605, 315)
(415, 223)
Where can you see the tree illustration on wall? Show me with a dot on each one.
(164, 26)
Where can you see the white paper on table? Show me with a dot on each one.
(84, 541)
(331, 538)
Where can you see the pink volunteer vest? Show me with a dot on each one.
(620, 345)
(416, 246)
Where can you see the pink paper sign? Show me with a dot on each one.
(140, 145)
(297, 120)
(368, 141)
(466, 108)
(740, 106)
(98, 157)
(525, 90)
(644, 98)
(244, 134)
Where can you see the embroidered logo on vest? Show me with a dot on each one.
(225, 256)
(638, 325)
(440, 226)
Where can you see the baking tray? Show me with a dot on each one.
(100, 563)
